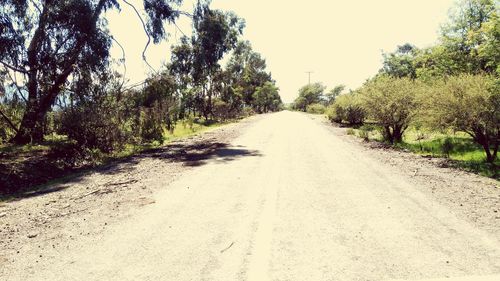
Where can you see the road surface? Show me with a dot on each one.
(293, 202)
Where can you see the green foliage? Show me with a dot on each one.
(316, 108)
(334, 93)
(468, 103)
(470, 34)
(49, 44)
(464, 152)
(309, 94)
(221, 109)
(447, 146)
(97, 118)
(347, 108)
(266, 98)
(366, 131)
(400, 63)
(351, 131)
(392, 103)
(365, 135)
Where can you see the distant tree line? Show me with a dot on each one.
(454, 85)
(57, 76)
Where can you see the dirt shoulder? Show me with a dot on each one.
(468, 195)
(37, 226)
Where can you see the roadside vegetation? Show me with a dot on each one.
(63, 101)
(441, 101)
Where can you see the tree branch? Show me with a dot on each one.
(14, 81)
(145, 30)
(9, 122)
(123, 60)
(13, 68)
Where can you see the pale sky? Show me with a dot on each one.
(340, 41)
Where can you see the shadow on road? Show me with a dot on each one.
(189, 154)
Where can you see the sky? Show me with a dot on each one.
(341, 42)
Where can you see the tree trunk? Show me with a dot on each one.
(489, 155)
(32, 124)
(39, 103)
(388, 136)
(397, 134)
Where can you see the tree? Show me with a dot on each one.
(334, 93)
(49, 43)
(248, 71)
(347, 108)
(266, 98)
(468, 103)
(214, 34)
(309, 94)
(391, 102)
(471, 22)
(401, 62)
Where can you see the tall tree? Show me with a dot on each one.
(248, 71)
(466, 33)
(49, 43)
(400, 63)
(309, 94)
(334, 93)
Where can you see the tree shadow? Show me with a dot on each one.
(41, 176)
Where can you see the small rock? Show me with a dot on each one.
(32, 235)
(3, 214)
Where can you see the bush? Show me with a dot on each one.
(364, 132)
(392, 103)
(347, 108)
(150, 125)
(365, 135)
(100, 124)
(447, 146)
(247, 111)
(316, 108)
(468, 103)
(221, 109)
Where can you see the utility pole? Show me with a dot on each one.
(309, 72)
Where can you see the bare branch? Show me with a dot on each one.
(145, 30)
(13, 68)
(185, 14)
(36, 6)
(179, 29)
(18, 88)
(123, 60)
(9, 122)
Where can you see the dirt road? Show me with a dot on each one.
(287, 200)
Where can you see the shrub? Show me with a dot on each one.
(333, 114)
(316, 108)
(247, 111)
(347, 108)
(351, 132)
(221, 109)
(468, 103)
(364, 132)
(447, 146)
(392, 103)
(100, 123)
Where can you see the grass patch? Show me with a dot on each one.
(183, 129)
(458, 147)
